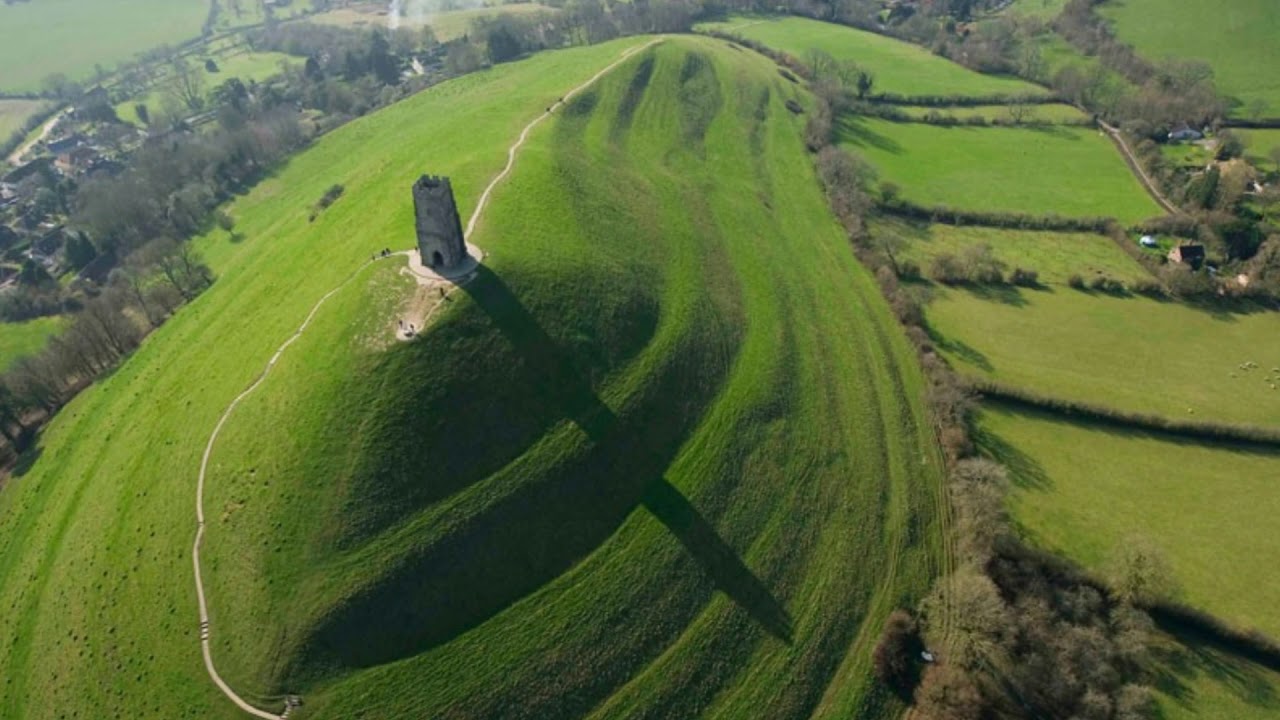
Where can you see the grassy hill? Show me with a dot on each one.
(899, 67)
(18, 340)
(1236, 37)
(1065, 170)
(1083, 490)
(670, 439)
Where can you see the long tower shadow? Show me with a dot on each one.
(526, 538)
(580, 403)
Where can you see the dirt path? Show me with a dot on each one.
(16, 157)
(1132, 161)
(205, 627)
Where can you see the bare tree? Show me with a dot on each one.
(186, 84)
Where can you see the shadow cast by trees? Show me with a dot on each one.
(960, 349)
(551, 513)
(1185, 656)
(853, 129)
(1024, 471)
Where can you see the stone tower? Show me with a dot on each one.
(439, 228)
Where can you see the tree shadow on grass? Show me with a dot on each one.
(1024, 471)
(1185, 658)
(960, 349)
(1003, 294)
(853, 129)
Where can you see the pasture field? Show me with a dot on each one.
(1055, 256)
(1236, 37)
(1053, 113)
(1064, 170)
(18, 340)
(1083, 490)
(899, 67)
(650, 504)
(446, 25)
(247, 66)
(1196, 680)
(1044, 9)
(40, 38)
(1260, 146)
(13, 113)
(1129, 353)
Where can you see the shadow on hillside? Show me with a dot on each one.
(1003, 294)
(960, 349)
(1024, 471)
(1181, 659)
(853, 129)
(717, 558)
(540, 515)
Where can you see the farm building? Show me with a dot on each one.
(1183, 133)
(1192, 255)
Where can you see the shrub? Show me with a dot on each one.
(1076, 281)
(909, 270)
(895, 655)
(947, 269)
(1024, 278)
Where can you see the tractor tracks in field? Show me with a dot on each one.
(202, 601)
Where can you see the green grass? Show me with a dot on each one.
(899, 67)
(1196, 680)
(13, 114)
(445, 25)
(247, 66)
(1063, 170)
(1129, 353)
(1259, 146)
(70, 36)
(1236, 37)
(1055, 256)
(1083, 490)
(1054, 113)
(1045, 9)
(664, 474)
(18, 340)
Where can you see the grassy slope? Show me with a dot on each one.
(1198, 681)
(1083, 490)
(899, 67)
(95, 571)
(1130, 353)
(18, 340)
(13, 113)
(730, 489)
(1055, 256)
(1260, 144)
(1236, 37)
(1045, 9)
(746, 458)
(70, 36)
(1063, 170)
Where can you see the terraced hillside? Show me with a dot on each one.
(664, 457)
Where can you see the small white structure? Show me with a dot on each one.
(1183, 133)
(1148, 242)
(926, 656)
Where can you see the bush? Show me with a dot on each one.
(1076, 281)
(947, 269)
(1024, 278)
(1102, 283)
(895, 656)
(909, 270)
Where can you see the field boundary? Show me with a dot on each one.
(205, 626)
(1136, 167)
(1213, 432)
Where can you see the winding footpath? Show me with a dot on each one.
(205, 628)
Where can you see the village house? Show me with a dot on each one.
(1184, 133)
(1189, 254)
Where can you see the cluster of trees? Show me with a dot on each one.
(976, 264)
(111, 323)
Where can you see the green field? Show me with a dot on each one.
(1198, 681)
(1082, 490)
(659, 473)
(445, 25)
(899, 67)
(1046, 9)
(1260, 146)
(1130, 353)
(1055, 256)
(43, 37)
(247, 66)
(1064, 170)
(13, 113)
(1054, 113)
(18, 340)
(1236, 37)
